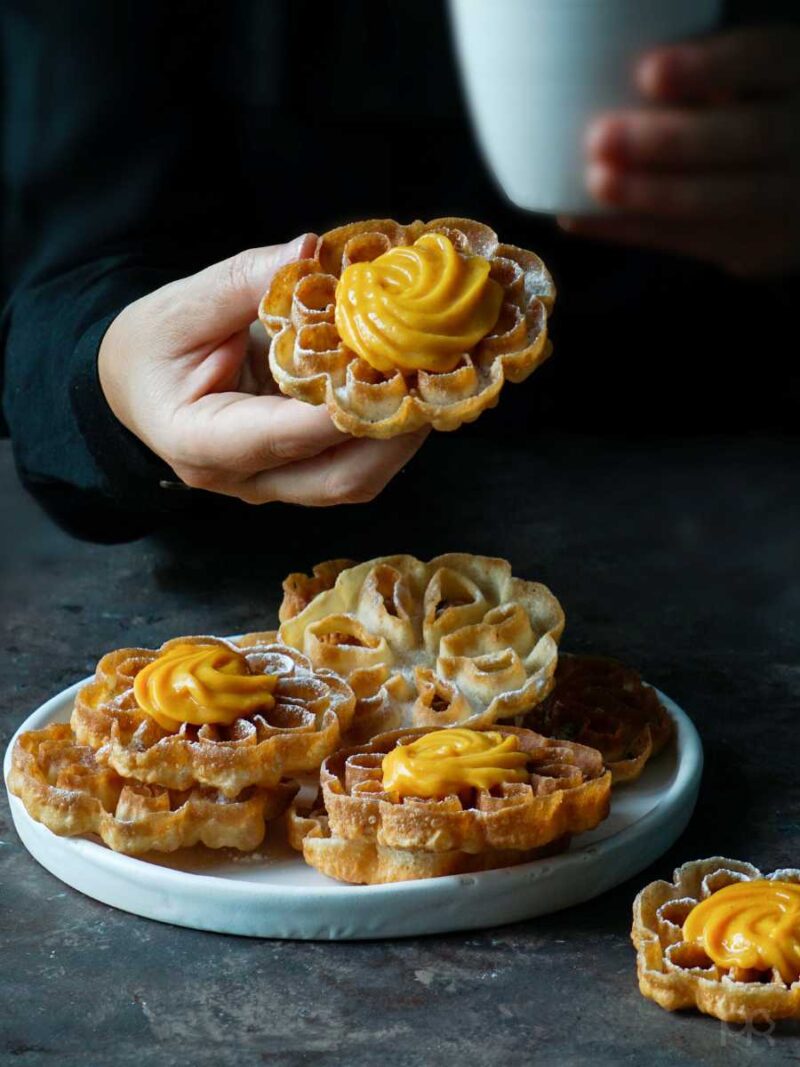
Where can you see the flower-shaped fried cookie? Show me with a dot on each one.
(63, 786)
(310, 711)
(360, 832)
(458, 640)
(678, 973)
(602, 703)
(309, 360)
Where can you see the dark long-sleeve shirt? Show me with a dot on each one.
(143, 140)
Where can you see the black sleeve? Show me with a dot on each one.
(116, 173)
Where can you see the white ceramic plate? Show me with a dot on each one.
(272, 893)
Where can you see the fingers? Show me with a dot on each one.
(224, 298)
(742, 63)
(712, 139)
(229, 436)
(716, 181)
(699, 196)
(263, 449)
(353, 473)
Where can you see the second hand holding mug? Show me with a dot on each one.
(537, 71)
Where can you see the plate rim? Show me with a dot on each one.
(686, 781)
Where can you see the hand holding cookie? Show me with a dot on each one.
(176, 371)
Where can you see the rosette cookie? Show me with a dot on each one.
(397, 327)
(458, 640)
(63, 786)
(205, 711)
(602, 703)
(422, 803)
(723, 938)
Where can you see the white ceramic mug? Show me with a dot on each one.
(536, 72)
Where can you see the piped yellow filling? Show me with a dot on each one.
(201, 684)
(447, 762)
(751, 925)
(417, 307)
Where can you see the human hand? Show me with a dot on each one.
(712, 168)
(174, 369)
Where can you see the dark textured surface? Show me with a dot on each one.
(681, 558)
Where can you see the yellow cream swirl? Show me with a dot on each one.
(446, 762)
(752, 925)
(201, 684)
(417, 307)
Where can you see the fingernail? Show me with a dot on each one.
(603, 183)
(574, 223)
(300, 247)
(606, 138)
(677, 70)
(648, 75)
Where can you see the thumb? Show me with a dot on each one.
(223, 298)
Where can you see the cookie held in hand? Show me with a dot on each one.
(398, 327)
